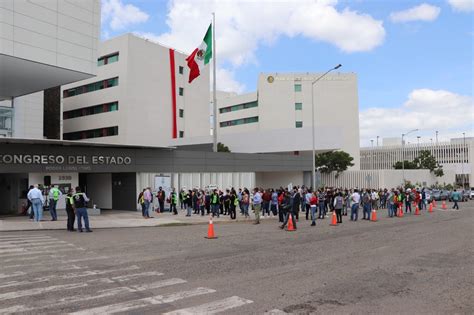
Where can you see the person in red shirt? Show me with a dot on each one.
(313, 201)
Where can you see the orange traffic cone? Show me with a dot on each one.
(290, 227)
(210, 230)
(334, 219)
(373, 217)
(443, 205)
(417, 211)
(430, 209)
(400, 212)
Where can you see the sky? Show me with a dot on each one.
(413, 59)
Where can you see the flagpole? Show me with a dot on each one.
(214, 97)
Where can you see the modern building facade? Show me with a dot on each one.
(43, 44)
(278, 117)
(140, 96)
(455, 156)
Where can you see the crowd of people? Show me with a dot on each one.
(286, 202)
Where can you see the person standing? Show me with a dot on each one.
(71, 216)
(307, 202)
(189, 203)
(29, 207)
(313, 203)
(245, 203)
(288, 210)
(366, 204)
(456, 197)
(80, 200)
(338, 204)
(161, 196)
(322, 204)
(257, 205)
(234, 201)
(36, 197)
(355, 198)
(147, 199)
(53, 196)
(141, 202)
(215, 203)
(173, 202)
(296, 203)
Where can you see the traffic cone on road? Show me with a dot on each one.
(400, 212)
(290, 227)
(210, 230)
(417, 211)
(334, 219)
(373, 217)
(430, 209)
(443, 205)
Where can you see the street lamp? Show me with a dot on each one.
(312, 114)
(372, 155)
(403, 154)
(463, 158)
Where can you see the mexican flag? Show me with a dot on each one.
(200, 56)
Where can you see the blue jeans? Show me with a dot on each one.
(145, 209)
(367, 208)
(391, 210)
(355, 212)
(189, 210)
(37, 206)
(215, 210)
(322, 209)
(52, 209)
(314, 211)
(82, 213)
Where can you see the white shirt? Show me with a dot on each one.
(355, 197)
(35, 193)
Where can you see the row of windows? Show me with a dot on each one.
(91, 87)
(92, 133)
(91, 110)
(240, 121)
(105, 60)
(238, 107)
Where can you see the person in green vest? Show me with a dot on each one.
(173, 202)
(53, 196)
(215, 203)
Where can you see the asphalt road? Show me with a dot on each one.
(412, 265)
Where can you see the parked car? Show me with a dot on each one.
(466, 195)
(445, 194)
(436, 195)
(471, 195)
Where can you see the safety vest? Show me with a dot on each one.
(214, 199)
(55, 194)
(173, 198)
(236, 202)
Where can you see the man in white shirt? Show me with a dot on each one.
(355, 199)
(36, 197)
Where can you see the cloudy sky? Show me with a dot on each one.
(414, 59)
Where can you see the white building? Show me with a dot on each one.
(278, 117)
(456, 157)
(43, 44)
(140, 96)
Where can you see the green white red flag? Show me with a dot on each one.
(201, 56)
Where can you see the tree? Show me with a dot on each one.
(222, 148)
(333, 161)
(424, 160)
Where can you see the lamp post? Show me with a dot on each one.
(463, 158)
(312, 115)
(372, 155)
(403, 154)
(377, 158)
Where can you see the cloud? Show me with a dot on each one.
(242, 26)
(425, 109)
(462, 5)
(423, 12)
(120, 16)
(226, 81)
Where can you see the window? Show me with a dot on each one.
(298, 87)
(181, 91)
(241, 121)
(299, 124)
(234, 108)
(181, 70)
(181, 134)
(298, 106)
(92, 133)
(181, 113)
(91, 110)
(91, 87)
(105, 60)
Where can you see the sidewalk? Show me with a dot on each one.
(110, 219)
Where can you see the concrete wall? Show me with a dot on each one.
(277, 179)
(28, 116)
(384, 178)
